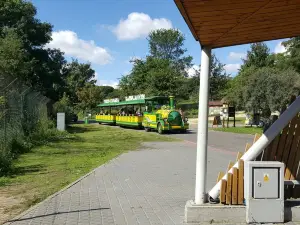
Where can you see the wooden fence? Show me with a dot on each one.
(284, 148)
(232, 190)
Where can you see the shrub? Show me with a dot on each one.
(64, 105)
(5, 162)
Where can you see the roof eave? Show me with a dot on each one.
(186, 19)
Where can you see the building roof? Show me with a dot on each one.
(221, 23)
(215, 103)
(131, 102)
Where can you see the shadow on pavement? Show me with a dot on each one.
(57, 213)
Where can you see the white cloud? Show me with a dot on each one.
(192, 70)
(279, 48)
(68, 42)
(236, 55)
(112, 83)
(139, 25)
(232, 68)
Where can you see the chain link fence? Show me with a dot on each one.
(21, 109)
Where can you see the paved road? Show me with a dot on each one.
(147, 187)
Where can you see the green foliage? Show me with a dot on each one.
(90, 96)
(77, 76)
(266, 81)
(169, 44)
(49, 168)
(240, 130)
(292, 55)
(154, 76)
(258, 56)
(64, 105)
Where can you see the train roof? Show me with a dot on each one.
(132, 102)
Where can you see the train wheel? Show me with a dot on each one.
(159, 129)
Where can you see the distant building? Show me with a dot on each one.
(215, 107)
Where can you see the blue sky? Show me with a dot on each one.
(109, 32)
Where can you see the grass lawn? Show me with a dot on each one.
(240, 130)
(47, 169)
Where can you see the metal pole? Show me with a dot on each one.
(200, 190)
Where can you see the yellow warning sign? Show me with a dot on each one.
(266, 177)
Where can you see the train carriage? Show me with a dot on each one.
(151, 113)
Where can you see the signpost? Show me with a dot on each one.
(227, 112)
(231, 113)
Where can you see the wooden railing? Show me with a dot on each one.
(284, 148)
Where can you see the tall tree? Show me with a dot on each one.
(78, 75)
(218, 80)
(13, 57)
(91, 95)
(292, 55)
(258, 56)
(169, 44)
(30, 34)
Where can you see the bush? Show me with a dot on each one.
(5, 162)
(192, 113)
(64, 105)
(46, 131)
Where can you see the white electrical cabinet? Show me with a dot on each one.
(61, 123)
(264, 191)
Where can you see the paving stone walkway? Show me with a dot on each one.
(147, 187)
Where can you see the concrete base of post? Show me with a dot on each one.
(231, 214)
(214, 213)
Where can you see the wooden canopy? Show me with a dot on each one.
(221, 23)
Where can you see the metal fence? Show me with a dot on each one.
(20, 110)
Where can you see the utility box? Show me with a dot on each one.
(264, 191)
(61, 121)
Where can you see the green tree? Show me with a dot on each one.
(258, 56)
(23, 38)
(269, 89)
(292, 55)
(13, 57)
(169, 44)
(20, 16)
(90, 96)
(64, 105)
(154, 76)
(77, 75)
(163, 71)
(218, 81)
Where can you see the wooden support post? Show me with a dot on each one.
(247, 147)
(229, 189)
(235, 186)
(234, 121)
(241, 182)
(239, 155)
(256, 137)
(220, 175)
(223, 191)
(230, 165)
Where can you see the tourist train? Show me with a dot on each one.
(151, 113)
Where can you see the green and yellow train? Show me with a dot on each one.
(151, 113)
